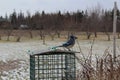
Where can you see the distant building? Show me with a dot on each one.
(23, 26)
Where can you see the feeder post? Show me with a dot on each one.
(114, 30)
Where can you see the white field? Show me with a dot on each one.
(11, 51)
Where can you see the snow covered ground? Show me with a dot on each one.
(17, 54)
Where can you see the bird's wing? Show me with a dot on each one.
(66, 44)
(69, 42)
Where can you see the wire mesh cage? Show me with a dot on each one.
(53, 65)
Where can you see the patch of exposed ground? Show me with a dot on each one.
(9, 65)
(14, 70)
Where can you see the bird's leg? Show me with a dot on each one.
(68, 49)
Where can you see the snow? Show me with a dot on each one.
(19, 50)
(21, 73)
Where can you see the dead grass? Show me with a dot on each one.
(102, 68)
(99, 68)
(25, 35)
(9, 65)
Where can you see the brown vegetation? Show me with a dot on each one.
(9, 65)
(103, 69)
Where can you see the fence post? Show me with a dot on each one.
(114, 30)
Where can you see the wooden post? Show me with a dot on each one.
(114, 30)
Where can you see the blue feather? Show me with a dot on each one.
(70, 43)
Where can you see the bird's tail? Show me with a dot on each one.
(55, 47)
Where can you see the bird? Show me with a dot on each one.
(69, 44)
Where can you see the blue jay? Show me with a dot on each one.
(69, 44)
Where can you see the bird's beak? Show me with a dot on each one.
(76, 37)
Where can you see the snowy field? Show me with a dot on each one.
(14, 60)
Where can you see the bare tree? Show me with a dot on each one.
(107, 23)
(30, 24)
(21, 26)
(94, 15)
(86, 23)
(8, 30)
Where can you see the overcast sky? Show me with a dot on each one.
(8, 6)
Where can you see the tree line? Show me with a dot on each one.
(89, 21)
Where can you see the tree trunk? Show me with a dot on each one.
(31, 35)
(41, 35)
(58, 34)
(18, 39)
(52, 37)
(108, 35)
(9, 32)
(8, 38)
(95, 33)
(88, 35)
